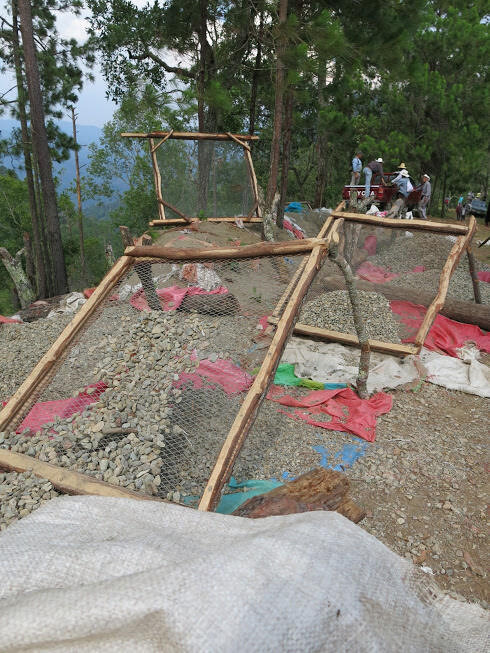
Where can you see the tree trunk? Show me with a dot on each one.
(18, 276)
(321, 140)
(279, 92)
(38, 259)
(79, 200)
(286, 155)
(255, 77)
(30, 268)
(55, 245)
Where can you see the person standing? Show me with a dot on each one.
(459, 209)
(426, 192)
(376, 168)
(356, 169)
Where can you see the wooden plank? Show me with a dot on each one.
(258, 390)
(237, 140)
(394, 349)
(157, 178)
(16, 403)
(188, 136)
(406, 225)
(255, 250)
(162, 141)
(177, 221)
(452, 261)
(66, 480)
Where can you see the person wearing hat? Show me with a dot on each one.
(426, 192)
(376, 168)
(402, 166)
(356, 168)
(404, 188)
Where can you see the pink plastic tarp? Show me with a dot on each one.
(172, 296)
(445, 335)
(7, 320)
(45, 411)
(378, 274)
(348, 412)
(222, 372)
(484, 275)
(370, 244)
(294, 228)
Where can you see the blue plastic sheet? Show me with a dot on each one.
(230, 502)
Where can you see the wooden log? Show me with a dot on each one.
(157, 179)
(66, 480)
(394, 349)
(177, 221)
(16, 404)
(406, 225)
(452, 261)
(474, 275)
(189, 136)
(258, 390)
(460, 311)
(255, 250)
(253, 180)
(319, 489)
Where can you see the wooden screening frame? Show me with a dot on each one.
(283, 318)
(255, 213)
(464, 233)
(68, 481)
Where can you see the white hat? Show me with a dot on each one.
(428, 178)
(404, 173)
(380, 160)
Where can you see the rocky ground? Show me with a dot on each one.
(423, 481)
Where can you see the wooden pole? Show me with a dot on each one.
(79, 198)
(393, 349)
(452, 261)
(177, 221)
(256, 250)
(237, 140)
(406, 225)
(175, 210)
(189, 136)
(16, 404)
(258, 390)
(162, 141)
(157, 178)
(66, 480)
(474, 275)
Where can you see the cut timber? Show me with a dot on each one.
(469, 312)
(161, 142)
(157, 179)
(175, 210)
(452, 261)
(17, 403)
(474, 275)
(253, 180)
(246, 251)
(406, 225)
(189, 136)
(66, 480)
(258, 390)
(174, 221)
(237, 140)
(393, 349)
(319, 489)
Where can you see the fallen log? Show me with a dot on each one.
(319, 489)
(460, 311)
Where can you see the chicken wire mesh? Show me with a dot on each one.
(144, 398)
(222, 189)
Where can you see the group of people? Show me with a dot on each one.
(401, 181)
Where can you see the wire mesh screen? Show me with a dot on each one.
(145, 398)
(205, 178)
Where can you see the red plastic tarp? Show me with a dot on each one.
(445, 335)
(222, 372)
(294, 228)
(484, 275)
(45, 411)
(370, 244)
(348, 412)
(378, 274)
(172, 296)
(7, 320)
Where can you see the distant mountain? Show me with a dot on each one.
(65, 172)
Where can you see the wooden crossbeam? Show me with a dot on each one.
(406, 225)
(175, 221)
(189, 136)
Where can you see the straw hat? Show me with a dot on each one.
(402, 166)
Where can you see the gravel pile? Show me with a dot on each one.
(20, 494)
(405, 252)
(333, 311)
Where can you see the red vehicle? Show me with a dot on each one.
(383, 194)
